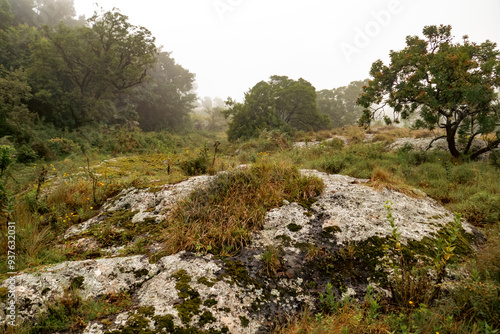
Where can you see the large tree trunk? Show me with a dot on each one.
(451, 131)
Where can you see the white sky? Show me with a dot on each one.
(232, 44)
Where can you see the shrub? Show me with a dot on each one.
(463, 174)
(26, 154)
(495, 158)
(482, 207)
(61, 146)
(197, 165)
(333, 164)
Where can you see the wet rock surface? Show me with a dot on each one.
(338, 239)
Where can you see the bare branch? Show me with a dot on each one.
(432, 142)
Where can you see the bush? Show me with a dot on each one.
(62, 147)
(26, 154)
(495, 158)
(272, 141)
(482, 207)
(463, 174)
(333, 164)
(6, 153)
(197, 165)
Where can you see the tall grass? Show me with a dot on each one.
(221, 217)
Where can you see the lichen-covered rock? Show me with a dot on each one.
(143, 202)
(339, 239)
(91, 277)
(303, 144)
(189, 292)
(357, 212)
(422, 144)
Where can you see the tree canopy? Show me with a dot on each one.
(340, 103)
(77, 72)
(166, 99)
(60, 74)
(449, 85)
(281, 103)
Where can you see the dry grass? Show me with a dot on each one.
(424, 133)
(348, 319)
(381, 179)
(221, 217)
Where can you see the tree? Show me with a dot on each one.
(449, 85)
(15, 118)
(15, 39)
(15, 45)
(36, 13)
(52, 12)
(280, 103)
(254, 115)
(78, 73)
(340, 103)
(23, 11)
(166, 99)
(214, 108)
(6, 14)
(295, 103)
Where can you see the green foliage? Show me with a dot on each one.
(52, 12)
(333, 164)
(6, 161)
(410, 284)
(495, 158)
(328, 300)
(271, 259)
(62, 147)
(73, 312)
(15, 118)
(25, 154)
(280, 103)
(373, 304)
(6, 14)
(6, 153)
(76, 76)
(23, 12)
(449, 85)
(340, 104)
(197, 165)
(15, 43)
(165, 100)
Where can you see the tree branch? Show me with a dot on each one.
(432, 142)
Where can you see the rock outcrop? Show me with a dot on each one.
(338, 239)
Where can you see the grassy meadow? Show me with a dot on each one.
(47, 197)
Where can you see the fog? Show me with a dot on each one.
(232, 44)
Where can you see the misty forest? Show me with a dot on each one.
(131, 204)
